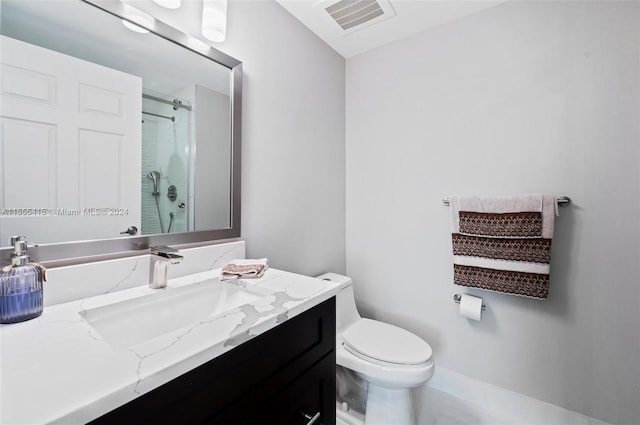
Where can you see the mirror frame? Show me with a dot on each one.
(67, 253)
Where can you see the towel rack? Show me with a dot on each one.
(562, 201)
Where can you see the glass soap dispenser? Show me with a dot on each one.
(20, 285)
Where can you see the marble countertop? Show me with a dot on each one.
(58, 369)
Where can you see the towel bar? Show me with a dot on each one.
(562, 201)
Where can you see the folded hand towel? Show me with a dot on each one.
(503, 244)
(244, 269)
(535, 211)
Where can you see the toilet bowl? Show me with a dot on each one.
(390, 359)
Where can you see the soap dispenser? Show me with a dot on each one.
(20, 285)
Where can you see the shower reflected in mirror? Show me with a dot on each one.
(166, 158)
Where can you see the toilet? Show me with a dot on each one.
(390, 359)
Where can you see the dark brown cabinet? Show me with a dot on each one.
(284, 376)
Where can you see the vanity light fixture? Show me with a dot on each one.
(214, 20)
(169, 4)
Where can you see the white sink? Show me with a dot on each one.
(130, 322)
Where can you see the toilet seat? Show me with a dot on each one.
(383, 343)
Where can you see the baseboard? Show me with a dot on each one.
(520, 408)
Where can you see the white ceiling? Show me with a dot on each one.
(403, 19)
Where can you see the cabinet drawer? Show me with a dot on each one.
(251, 371)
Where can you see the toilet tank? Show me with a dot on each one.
(346, 310)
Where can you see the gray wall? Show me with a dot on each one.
(525, 97)
(293, 150)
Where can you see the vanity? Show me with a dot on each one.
(265, 354)
(285, 376)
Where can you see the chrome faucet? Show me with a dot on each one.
(161, 257)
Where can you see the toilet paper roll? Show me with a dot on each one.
(471, 307)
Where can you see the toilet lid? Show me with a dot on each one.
(386, 343)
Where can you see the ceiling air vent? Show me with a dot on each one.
(352, 13)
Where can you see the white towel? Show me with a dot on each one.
(244, 269)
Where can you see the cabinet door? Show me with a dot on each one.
(309, 399)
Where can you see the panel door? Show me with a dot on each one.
(70, 146)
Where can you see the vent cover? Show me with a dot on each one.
(351, 13)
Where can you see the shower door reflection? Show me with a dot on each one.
(166, 150)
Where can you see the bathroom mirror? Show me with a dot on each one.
(151, 152)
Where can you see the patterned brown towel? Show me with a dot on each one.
(244, 269)
(503, 244)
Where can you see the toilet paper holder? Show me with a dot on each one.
(458, 297)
